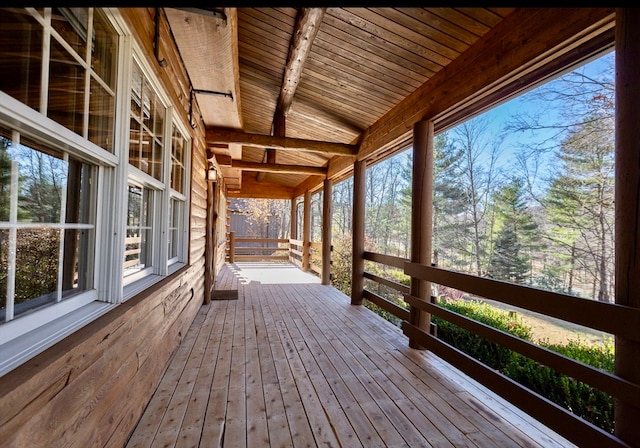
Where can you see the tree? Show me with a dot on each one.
(479, 153)
(576, 118)
(450, 228)
(580, 200)
(511, 258)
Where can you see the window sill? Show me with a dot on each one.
(20, 350)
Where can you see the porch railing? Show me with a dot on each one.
(275, 249)
(611, 318)
(255, 249)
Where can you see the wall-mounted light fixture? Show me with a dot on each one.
(212, 174)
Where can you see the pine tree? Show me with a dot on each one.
(512, 253)
(580, 201)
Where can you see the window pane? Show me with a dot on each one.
(101, 116)
(21, 56)
(156, 160)
(147, 114)
(104, 49)
(41, 181)
(145, 151)
(4, 270)
(175, 220)
(36, 268)
(66, 89)
(71, 24)
(135, 142)
(77, 274)
(178, 144)
(138, 244)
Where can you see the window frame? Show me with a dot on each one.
(31, 333)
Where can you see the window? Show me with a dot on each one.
(80, 70)
(84, 223)
(178, 219)
(156, 228)
(47, 224)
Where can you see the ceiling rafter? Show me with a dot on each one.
(307, 24)
(279, 168)
(217, 136)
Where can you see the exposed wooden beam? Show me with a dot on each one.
(306, 27)
(307, 24)
(216, 135)
(279, 168)
(279, 130)
(263, 190)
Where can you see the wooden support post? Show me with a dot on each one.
(306, 230)
(627, 210)
(232, 247)
(326, 231)
(421, 217)
(293, 231)
(357, 270)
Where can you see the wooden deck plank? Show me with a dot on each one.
(257, 428)
(291, 363)
(191, 430)
(235, 430)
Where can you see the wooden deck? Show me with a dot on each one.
(291, 363)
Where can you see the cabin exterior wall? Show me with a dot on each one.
(90, 388)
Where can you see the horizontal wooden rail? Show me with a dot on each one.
(597, 378)
(382, 302)
(246, 239)
(386, 305)
(612, 318)
(557, 418)
(262, 248)
(404, 289)
(389, 260)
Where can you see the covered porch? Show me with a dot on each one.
(290, 362)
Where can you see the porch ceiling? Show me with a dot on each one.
(341, 75)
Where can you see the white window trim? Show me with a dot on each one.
(30, 334)
(183, 239)
(136, 283)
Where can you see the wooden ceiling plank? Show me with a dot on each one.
(371, 72)
(382, 38)
(420, 42)
(406, 20)
(337, 29)
(215, 135)
(428, 18)
(474, 71)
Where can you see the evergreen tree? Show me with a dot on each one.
(580, 201)
(511, 258)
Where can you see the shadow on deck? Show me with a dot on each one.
(291, 362)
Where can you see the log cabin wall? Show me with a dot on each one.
(91, 388)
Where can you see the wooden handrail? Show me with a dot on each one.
(597, 378)
(609, 317)
(616, 319)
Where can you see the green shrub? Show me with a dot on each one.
(581, 399)
(490, 353)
